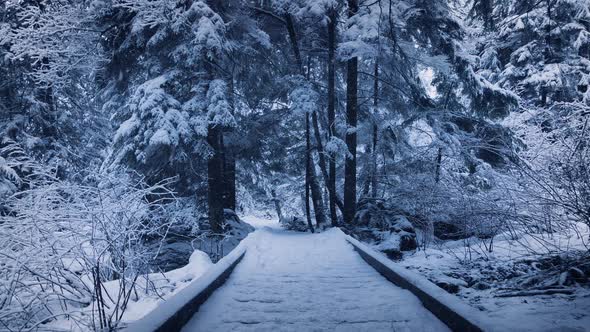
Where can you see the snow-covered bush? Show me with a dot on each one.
(60, 241)
(555, 167)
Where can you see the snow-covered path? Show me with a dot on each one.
(309, 282)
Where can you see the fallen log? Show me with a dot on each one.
(536, 292)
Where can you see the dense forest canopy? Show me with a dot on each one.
(139, 115)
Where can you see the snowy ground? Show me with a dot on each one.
(556, 312)
(156, 288)
(261, 222)
(308, 282)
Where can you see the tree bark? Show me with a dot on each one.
(322, 162)
(438, 164)
(332, 113)
(294, 42)
(229, 161)
(229, 178)
(374, 170)
(307, 177)
(316, 193)
(277, 204)
(351, 136)
(215, 180)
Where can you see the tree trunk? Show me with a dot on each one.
(307, 180)
(322, 162)
(229, 161)
(294, 42)
(229, 178)
(351, 136)
(277, 204)
(49, 115)
(374, 170)
(438, 164)
(316, 193)
(332, 113)
(215, 180)
(548, 42)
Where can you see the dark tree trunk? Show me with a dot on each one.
(548, 42)
(307, 177)
(294, 42)
(229, 161)
(374, 169)
(322, 162)
(215, 180)
(45, 95)
(332, 113)
(438, 164)
(311, 178)
(368, 171)
(316, 195)
(230, 181)
(277, 204)
(351, 136)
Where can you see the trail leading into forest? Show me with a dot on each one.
(309, 282)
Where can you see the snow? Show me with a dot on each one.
(421, 134)
(557, 312)
(309, 282)
(426, 76)
(169, 284)
(173, 304)
(337, 146)
(126, 128)
(429, 288)
(260, 222)
(304, 99)
(551, 75)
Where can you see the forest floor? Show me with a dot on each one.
(502, 283)
(291, 281)
(301, 281)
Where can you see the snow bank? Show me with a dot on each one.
(174, 312)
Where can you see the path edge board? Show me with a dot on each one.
(175, 312)
(457, 315)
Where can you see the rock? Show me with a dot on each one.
(448, 231)
(577, 274)
(450, 284)
(393, 254)
(294, 223)
(174, 252)
(402, 223)
(178, 246)
(449, 287)
(408, 242)
(234, 226)
(482, 285)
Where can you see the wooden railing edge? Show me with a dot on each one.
(173, 313)
(452, 311)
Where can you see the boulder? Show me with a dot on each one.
(173, 252)
(408, 242)
(450, 284)
(447, 231)
(180, 242)
(482, 285)
(393, 254)
(294, 223)
(449, 287)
